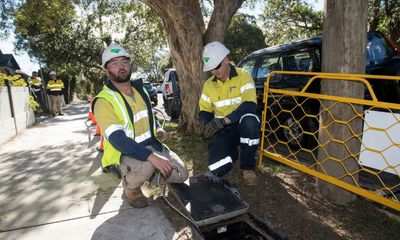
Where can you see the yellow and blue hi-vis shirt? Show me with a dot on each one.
(224, 98)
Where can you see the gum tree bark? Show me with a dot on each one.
(344, 34)
(187, 35)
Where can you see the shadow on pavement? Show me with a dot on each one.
(49, 174)
(133, 224)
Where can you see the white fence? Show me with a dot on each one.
(14, 122)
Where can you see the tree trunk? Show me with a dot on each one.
(344, 34)
(187, 35)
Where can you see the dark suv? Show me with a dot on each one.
(305, 56)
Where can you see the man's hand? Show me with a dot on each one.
(214, 126)
(161, 163)
(162, 135)
(211, 177)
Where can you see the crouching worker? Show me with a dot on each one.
(132, 141)
(228, 108)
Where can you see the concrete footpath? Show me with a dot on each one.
(52, 187)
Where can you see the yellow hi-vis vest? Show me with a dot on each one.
(55, 85)
(222, 98)
(35, 82)
(111, 155)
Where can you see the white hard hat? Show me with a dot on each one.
(52, 73)
(112, 51)
(213, 55)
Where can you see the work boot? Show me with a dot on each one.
(249, 177)
(61, 114)
(135, 197)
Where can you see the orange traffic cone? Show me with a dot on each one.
(97, 130)
(91, 116)
(94, 122)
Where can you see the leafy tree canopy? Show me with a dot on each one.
(384, 16)
(287, 20)
(243, 37)
(7, 9)
(69, 36)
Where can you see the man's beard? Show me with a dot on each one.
(125, 77)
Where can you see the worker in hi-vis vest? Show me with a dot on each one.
(228, 108)
(36, 85)
(132, 139)
(55, 91)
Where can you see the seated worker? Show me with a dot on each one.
(123, 111)
(228, 108)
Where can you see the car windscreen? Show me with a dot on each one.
(377, 50)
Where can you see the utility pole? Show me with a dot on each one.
(46, 100)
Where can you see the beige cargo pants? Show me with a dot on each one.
(56, 102)
(134, 172)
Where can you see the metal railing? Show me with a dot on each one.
(353, 143)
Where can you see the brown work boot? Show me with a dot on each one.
(135, 197)
(249, 177)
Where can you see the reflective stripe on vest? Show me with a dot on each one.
(128, 131)
(224, 97)
(111, 155)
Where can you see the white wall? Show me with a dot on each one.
(24, 116)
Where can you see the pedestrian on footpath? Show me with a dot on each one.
(132, 139)
(228, 108)
(55, 91)
(36, 85)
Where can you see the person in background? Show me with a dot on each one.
(228, 108)
(132, 137)
(55, 91)
(36, 86)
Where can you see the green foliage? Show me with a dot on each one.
(7, 9)
(165, 63)
(288, 20)
(243, 37)
(384, 16)
(50, 17)
(69, 36)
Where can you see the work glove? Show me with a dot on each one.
(211, 177)
(214, 126)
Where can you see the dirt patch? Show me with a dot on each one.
(288, 201)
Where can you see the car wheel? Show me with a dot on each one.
(292, 128)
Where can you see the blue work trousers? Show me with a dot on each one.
(224, 150)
